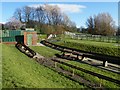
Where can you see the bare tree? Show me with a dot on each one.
(13, 24)
(40, 14)
(53, 14)
(40, 18)
(32, 14)
(65, 20)
(27, 11)
(48, 14)
(56, 15)
(18, 14)
(102, 24)
(44, 17)
(68, 24)
(90, 24)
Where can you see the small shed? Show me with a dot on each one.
(30, 38)
(8, 36)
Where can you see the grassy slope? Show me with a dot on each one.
(0, 65)
(91, 46)
(48, 52)
(21, 71)
(45, 51)
(88, 42)
(41, 36)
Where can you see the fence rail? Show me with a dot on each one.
(98, 38)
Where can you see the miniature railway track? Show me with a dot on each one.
(30, 53)
(88, 71)
(101, 57)
(26, 50)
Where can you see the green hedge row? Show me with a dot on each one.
(112, 51)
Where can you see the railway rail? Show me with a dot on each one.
(30, 53)
(88, 71)
(101, 57)
(26, 50)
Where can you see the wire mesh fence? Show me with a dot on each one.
(98, 38)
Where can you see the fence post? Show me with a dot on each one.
(55, 64)
(105, 63)
(108, 39)
(77, 56)
(100, 82)
(73, 72)
(63, 53)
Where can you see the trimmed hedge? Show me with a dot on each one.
(112, 51)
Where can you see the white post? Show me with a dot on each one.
(105, 63)
(55, 64)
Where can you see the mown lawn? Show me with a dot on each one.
(0, 65)
(88, 42)
(41, 36)
(48, 52)
(111, 49)
(45, 51)
(19, 71)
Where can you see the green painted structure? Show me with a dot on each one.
(9, 35)
(28, 37)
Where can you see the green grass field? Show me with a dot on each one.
(19, 71)
(89, 37)
(0, 65)
(94, 43)
(41, 36)
(88, 42)
(111, 49)
(45, 51)
(48, 52)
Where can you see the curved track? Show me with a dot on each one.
(29, 52)
(26, 50)
(101, 57)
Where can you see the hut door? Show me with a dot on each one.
(29, 39)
